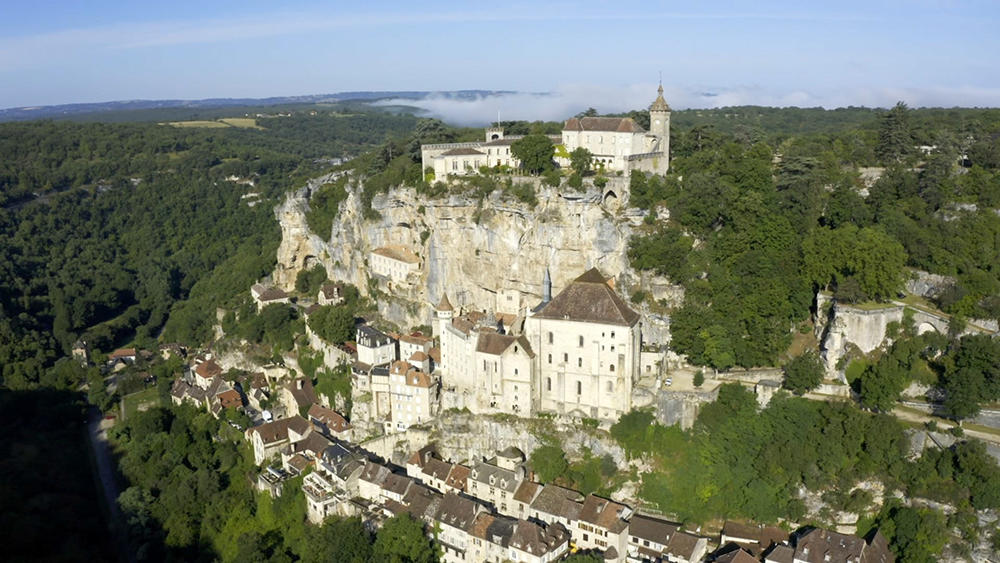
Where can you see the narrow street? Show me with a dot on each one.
(97, 434)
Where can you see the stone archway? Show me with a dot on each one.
(926, 327)
(610, 194)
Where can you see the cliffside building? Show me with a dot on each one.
(617, 143)
(578, 354)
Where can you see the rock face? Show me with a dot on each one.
(863, 328)
(467, 248)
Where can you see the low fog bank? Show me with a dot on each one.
(571, 99)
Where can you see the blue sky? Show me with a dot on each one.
(608, 53)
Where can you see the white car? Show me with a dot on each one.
(670, 381)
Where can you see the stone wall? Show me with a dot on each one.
(468, 248)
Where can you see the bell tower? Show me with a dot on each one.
(659, 125)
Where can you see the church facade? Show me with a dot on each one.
(575, 354)
(618, 144)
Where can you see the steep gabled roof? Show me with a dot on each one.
(590, 299)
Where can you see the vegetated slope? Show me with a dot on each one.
(106, 229)
(773, 224)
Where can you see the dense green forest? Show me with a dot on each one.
(110, 232)
(191, 498)
(755, 230)
(743, 462)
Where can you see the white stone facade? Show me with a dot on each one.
(617, 143)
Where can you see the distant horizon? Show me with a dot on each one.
(442, 104)
(776, 53)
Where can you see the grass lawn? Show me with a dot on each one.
(198, 123)
(145, 399)
(245, 122)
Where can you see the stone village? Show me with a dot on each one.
(577, 353)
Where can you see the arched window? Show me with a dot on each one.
(550, 358)
(548, 383)
(550, 338)
(579, 388)
(612, 368)
(579, 362)
(581, 341)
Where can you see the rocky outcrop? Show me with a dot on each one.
(845, 325)
(467, 248)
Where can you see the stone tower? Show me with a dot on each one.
(443, 314)
(659, 125)
(494, 133)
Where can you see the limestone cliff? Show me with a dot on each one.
(467, 248)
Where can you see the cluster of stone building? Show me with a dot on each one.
(491, 510)
(616, 143)
(577, 354)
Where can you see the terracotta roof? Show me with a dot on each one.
(527, 492)
(330, 290)
(122, 353)
(604, 513)
(314, 444)
(269, 293)
(558, 501)
(417, 378)
(819, 546)
(457, 512)
(397, 252)
(682, 545)
(463, 152)
(299, 462)
(480, 525)
(418, 356)
(652, 529)
(437, 469)
(435, 354)
(611, 124)
(277, 431)
(374, 473)
(458, 477)
(208, 369)
(780, 554)
(536, 540)
(589, 298)
(444, 304)
(396, 483)
(463, 325)
(878, 550)
(496, 344)
(331, 418)
(302, 391)
(422, 502)
(416, 338)
(420, 457)
(230, 398)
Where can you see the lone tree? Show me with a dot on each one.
(535, 152)
(580, 160)
(803, 373)
(895, 140)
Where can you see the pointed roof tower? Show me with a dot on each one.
(659, 104)
(546, 287)
(444, 305)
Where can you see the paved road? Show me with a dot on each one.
(109, 483)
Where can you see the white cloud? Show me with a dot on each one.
(570, 99)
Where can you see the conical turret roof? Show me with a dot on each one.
(445, 305)
(659, 104)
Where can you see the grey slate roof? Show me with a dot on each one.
(589, 299)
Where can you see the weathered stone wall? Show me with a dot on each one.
(468, 248)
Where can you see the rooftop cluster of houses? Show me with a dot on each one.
(491, 510)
